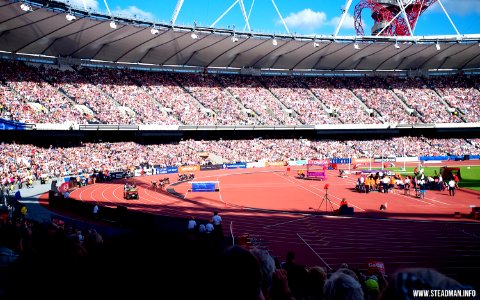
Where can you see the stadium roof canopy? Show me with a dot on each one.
(42, 27)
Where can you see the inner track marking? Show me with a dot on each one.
(287, 222)
(324, 262)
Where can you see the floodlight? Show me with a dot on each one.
(154, 31)
(194, 36)
(315, 45)
(437, 46)
(113, 25)
(274, 42)
(356, 46)
(234, 39)
(397, 46)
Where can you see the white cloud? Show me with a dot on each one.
(348, 23)
(459, 7)
(133, 11)
(93, 4)
(306, 19)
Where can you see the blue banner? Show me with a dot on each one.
(241, 165)
(203, 187)
(162, 170)
(172, 169)
(117, 175)
(424, 158)
(11, 125)
(341, 160)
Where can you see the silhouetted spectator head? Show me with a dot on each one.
(290, 256)
(348, 272)
(315, 282)
(267, 267)
(240, 276)
(341, 286)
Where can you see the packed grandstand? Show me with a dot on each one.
(71, 110)
(34, 93)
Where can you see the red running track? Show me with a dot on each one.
(282, 213)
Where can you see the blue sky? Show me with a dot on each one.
(308, 17)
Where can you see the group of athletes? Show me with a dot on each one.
(161, 183)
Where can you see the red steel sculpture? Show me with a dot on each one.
(385, 10)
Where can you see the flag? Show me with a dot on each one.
(18, 196)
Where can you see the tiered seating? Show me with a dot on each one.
(120, 87)
(170, 95)
(52, 106)
(13, 107)
(212, 96)
(460, 93)
(423, 99)
(296, 96)
(254, 96)
(375, 95)
(340, 100)
(113, 96)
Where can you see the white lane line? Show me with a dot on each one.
(324, 262)
(287, 222)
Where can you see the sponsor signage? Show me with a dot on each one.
(162, 171)
(318, 162)
(172, 169)
(188, 169)
(276, 163)
(117, 175)
(234, 166)
(11, 125)
(210, 167)
(385, 159)
(341, 160)
(361, 160)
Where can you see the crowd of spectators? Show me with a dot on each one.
(225, 108)
(298, 97)
(50, 104)
(50, 94)
(179, 104)
(375, 94)
(254, 96)
(340, 100)
(424, 100)
(459, 93)
(20, 162)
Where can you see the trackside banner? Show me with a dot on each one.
(276, 163)
(341, 160)
(241, 165)
(117, 175)
(188, 169)
(257, 164)
(210, 167)
(385, 159)
(297, 162)
(172, 169)
(318, 162)
(161, 170)
(361, 160)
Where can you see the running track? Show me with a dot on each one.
(282, 213)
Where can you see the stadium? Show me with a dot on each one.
(333, 160)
